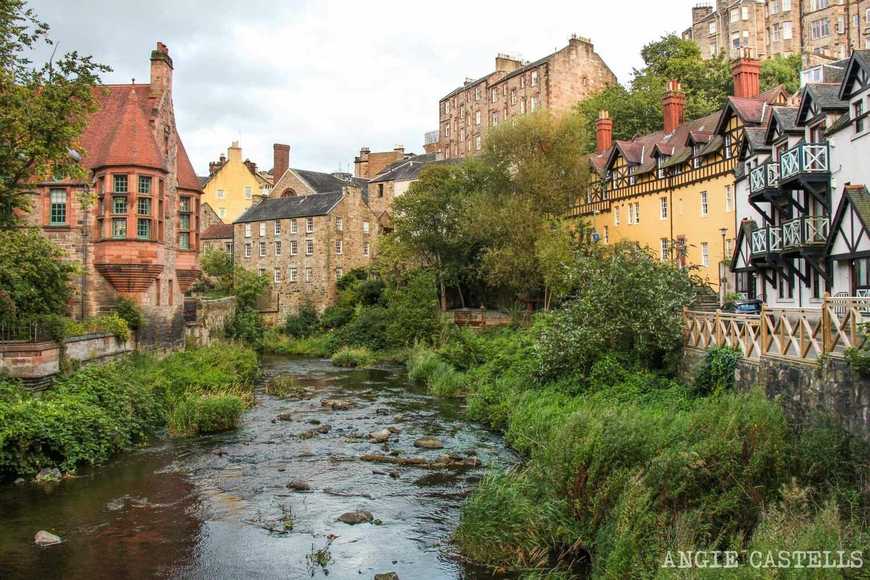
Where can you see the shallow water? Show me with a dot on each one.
(219, 506)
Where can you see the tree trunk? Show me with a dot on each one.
(461, 295)
(443, 295)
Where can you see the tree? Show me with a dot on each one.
(43, 109)
(34, 276)
(782, 70)
(218, 265)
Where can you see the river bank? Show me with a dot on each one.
(217, 505)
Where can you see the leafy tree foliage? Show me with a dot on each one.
(43, 109)
(782, 70)
(218, 266)
(34, 276)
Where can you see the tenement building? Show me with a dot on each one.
(232, 184)
(305, 243)
(367, 164)
(804, 208)
(556, 82)
(820, 30)
(134, 224)
(393, 181)
(673, 190)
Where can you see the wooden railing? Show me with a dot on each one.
(794, 333)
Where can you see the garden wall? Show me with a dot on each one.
(802, 388)
(208, 319)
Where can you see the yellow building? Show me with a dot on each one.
(232, 184)
(673, 191)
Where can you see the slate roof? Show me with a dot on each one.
(325, 182)
(860, 59)
(841, 123)
(827, 96)
(860, 199)
(406, 169)
(217, 232)
(187, 178)
(291, 207)
(787, 118)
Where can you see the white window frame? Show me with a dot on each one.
(339, 224)
(249, 192)
(276, 276)
(292, 274)
(247, 230)
(365, 226)
(309, 225)
(309, 247)
(278, 247)
(262, 229)
(263, 250)
(663, 208)
(338, 247)
(277, 227)
(366, 248)
(294, 226)
(309, 275)
(705, 204)
(705, 254)
(249, 250)
(294, 247)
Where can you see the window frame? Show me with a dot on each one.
(60, 205)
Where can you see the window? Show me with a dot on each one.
(734, 15)
(744, 12)
(705, 208)
(523, 106)
(477, 118)
(220, 194)
(534, 78)
(786, 31)
(277, 275)
(711, 29)
(841, 25)
(144, 206)
(477, 143)
(143, 229)
(228, 247)
(294, 227)
(278, 248)
(380, 190)
(533, 104)
(663, 208)
(58, 207)
(774, 7)
(338, 247)
(819, 4)
(119, 228)
(786, 5)
(820, 28)
(705, 254)
(365, 248)
(365, 227)
(292, 275)
(309, 225)
(294, 247)
(184, 204)
(119, 204)
(493, 95)
(247, 249)
(493, 118)
(660, 166)
(247, 230)
(262, 229)
(727, 142)
(144, 184)
(262, 249)
(477, 93)
(120, 183)
(664, 250)
(222, 212)
(184, 240)
(277, 228)
(606, 235)
(339, 273)
(339, 224)
(616, 216)
(309, 247)
(308, 275)
(858, 115)
(261, 271)
(634, 213)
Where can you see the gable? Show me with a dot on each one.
(857, 79)
(849, 227)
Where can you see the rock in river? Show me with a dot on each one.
(354, 518)
(380, 436)
(387, 576)
(43, 538)
(48, 474)
(336, 404)
(298, 485)
(429, 443)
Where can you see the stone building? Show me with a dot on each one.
(367, 164)
(556, 82)
(305, 243)
(290, 181)
(820, 30)
(393, 181)
(232, 184)
(137, 232)
(217, 237)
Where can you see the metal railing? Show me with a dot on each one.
(805, 158)
(31, 331)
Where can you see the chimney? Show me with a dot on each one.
(506, 63)
(161, 70)
(281, 160)
(746, 72)
(234, 152)
(603, 132)
(400, 149)
(251, 165)
(700, 12)
(673, 105)
(361, 163)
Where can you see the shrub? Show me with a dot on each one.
(446, 381)
(426, 367)
(130, 312)
(413, 310)
(367, 329)
(111, 323)
(213, 413)
(246, 326)
(717, 372)
(302, 324)
(336, 316)
(353, 358)
(314, 346)
(285, 387)
(421, 365)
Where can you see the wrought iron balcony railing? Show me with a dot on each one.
(806, 158)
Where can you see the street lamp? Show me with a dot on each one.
(722, 231)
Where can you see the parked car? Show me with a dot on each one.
(752, 306)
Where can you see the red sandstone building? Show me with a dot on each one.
(134, 226)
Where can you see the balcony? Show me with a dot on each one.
(805, 164)
(806, 234)
(764, 182)
(765, 245)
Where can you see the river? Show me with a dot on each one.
(219, 506)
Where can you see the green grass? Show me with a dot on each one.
(428, 368)
(353, 358)
(212, 413)
(313, 346)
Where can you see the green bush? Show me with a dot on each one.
(717, 372)
(213, 413)
(314, 346)
(130, 312)
(413, 310)
(336, 316)
(428, 368)
(353, 358)
(110, 323)
(247, 326)
(285, 387)
(367, 329)
(302, 324)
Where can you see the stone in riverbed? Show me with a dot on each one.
(43, 538)
(285, 416)
(429, 443)
(387, 576)
(336, 404)
(393, 429)
(298, 485)
(380, 436)
(353, 518)
(48, 474)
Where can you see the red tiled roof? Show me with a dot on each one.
(119, 132)
(217, 232)
(187, 178)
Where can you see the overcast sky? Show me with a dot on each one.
(331, 76)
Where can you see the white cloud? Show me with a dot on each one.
(331, 76)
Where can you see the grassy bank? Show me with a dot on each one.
(625, 464)
(102, 409)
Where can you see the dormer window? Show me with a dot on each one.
(858, 115)
(632, 178)
(660, 166)
(696, 155)
(727, 146)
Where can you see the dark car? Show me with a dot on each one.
(746, 307)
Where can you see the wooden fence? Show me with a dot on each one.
(794, 333)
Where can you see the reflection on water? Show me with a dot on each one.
(219, 507)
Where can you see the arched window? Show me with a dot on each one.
(289, 192)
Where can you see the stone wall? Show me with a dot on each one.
(37, 363)
(211, 318)
(802, 388)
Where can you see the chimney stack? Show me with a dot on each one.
(280, 160)
(603, 132)
(746, 72)
(161, 70)
(674, 106)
